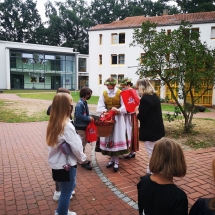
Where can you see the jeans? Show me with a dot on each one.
(66, 191)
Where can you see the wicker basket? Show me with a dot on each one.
(105, 130)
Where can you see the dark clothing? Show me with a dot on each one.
(81, 115)
(161, 199)
(49, 110)
(200, 207)
(150, 117)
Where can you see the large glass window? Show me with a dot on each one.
(41, 70)
(82, 62)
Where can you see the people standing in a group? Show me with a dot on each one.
(150, 116)
(59, 130)
(82, 119)
(131, 122)
(157, 193)
(205, 206)
(57, 192)
(110, 99)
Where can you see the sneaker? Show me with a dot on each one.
(69, 213)
(56, 195)
(86, 166)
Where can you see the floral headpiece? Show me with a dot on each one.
(125, 81)
(110, 82)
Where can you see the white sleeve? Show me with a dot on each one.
(74, 140)
(101, 107)
(122, 108)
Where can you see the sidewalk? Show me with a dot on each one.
(27, 188)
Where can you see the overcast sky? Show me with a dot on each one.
(41, 7)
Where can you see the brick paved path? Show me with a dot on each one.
(26, 186)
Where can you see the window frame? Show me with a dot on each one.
(114, 37)
(119, 59)
(100, 79)
(114, 55)
(100, 39)
(100, 59)
(121, 39)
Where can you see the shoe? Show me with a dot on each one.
(56, 195)
(130, 156)
(116, 167)
(110, 164)
(69, 213)
(86, 166)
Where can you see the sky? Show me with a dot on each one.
(41, 7)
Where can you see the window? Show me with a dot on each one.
(100, 39)
(100, 79)
(168, 31)
(142, 55)
(212, 32)
(195, 29)
(113, 59)
(117, 59)
(100, 59)
(113, 76)
(120, 77)
(122, 38)
(82, 64)
(167, 57)
(121, 59)
(114, 38)
(118, 38)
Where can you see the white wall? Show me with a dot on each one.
(131, 54)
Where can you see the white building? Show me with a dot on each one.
(33, 66)
(111, 56)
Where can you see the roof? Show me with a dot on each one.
(165, 20)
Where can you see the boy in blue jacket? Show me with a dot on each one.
(82, 118)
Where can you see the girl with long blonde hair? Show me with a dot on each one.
(59, 130)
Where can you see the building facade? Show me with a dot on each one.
(111, 55)
(33, 66)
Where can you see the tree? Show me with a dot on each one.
(179, 57)
(194, 6)
(18, 20)
(105, 11)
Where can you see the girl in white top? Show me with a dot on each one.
(60, 129)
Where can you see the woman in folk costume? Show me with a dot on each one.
(131, 121)
(111, 100)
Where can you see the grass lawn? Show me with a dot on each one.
(33, 111)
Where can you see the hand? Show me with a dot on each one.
(115, 109)
(91, 119)
(137, 109)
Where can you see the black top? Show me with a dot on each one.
(161, 199)
(150, 117)
(200, 207)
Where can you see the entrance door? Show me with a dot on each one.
(17, 81)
